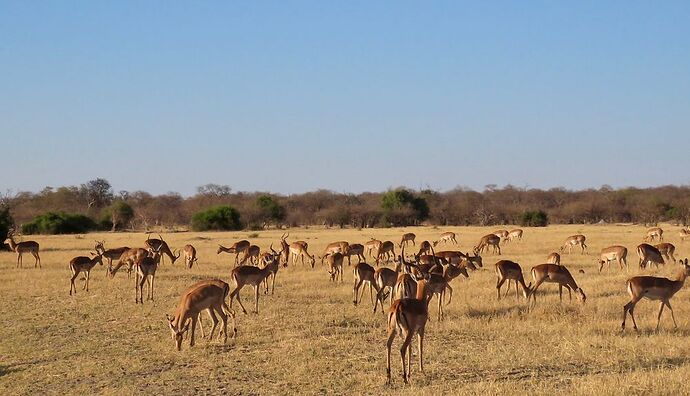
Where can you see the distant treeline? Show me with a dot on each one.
(96, 206)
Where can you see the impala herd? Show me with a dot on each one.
(409, 287)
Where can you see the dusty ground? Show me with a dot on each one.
(309, 338)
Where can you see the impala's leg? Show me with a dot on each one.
(440, 307)
(630, 307)
(19, 260)
(560, 292)
(224, 318)
(499, 249)
(195, 319)
(71, 283)
(256, 299)
(420, 346)
(153, 279)
(141, 289)
(86, 283)
(389, 344)
(499, 283)
(273, 283)
(405, 349)
(533, 294)
(355, 289)
(507, 289)
(668, 304)
(658, 318)
(450, 294)
(239, 300)
(214, 320)
(517, 292)
(371, 293)
(363, 286)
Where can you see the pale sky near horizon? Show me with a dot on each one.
(350, 96)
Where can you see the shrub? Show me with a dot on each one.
(117, 215)
(536, 218)
(6, 223)
(59, 223)
(220, 218)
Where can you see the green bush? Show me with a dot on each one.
(6, 223)
(117, 215)
(59, 223)
(220, 218)
(535, 218)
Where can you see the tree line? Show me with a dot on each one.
(96, 206)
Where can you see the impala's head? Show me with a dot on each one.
(97, 257)
(684, 265)
(177, 333)
(580, 295)
(526, 292)
(476, 260)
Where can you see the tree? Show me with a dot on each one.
(98, 192)
(401, 207)
(221, 218)
(6, 222)
(270, 210)
(59, 223)
(216, 190)
(118, 214)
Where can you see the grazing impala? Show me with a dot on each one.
(252, 276)
(514, 235)
(407, 238)
(667, 249)
(237, 248)
(372, 245)
(110, 254)
(334, 247)
(684, 233)
(648, 254)
(363, 273)
(554, 258)
(355, 249)
(407, 316)
(23, 247)
(507, 270)
(205, 295)
(160, 245)
(446, 237)
(129, 257)
(385, 279)
(653, 234)
(252, 254)
(503, 234)
(387, 249)
(189, 255)
(654, 288)
(335, 266)
(145, 272)
(613, 253)
(552, 273)
(82, 264)
(574, 240)
(486, 241)
(298, 250)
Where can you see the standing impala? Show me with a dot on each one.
(425, 248)
(447, 237)
(189, 255)
(407, 316)
(654, 288)
(298, 250)
(334, 247)
(364, 273)
(237, 248)
(161, 246)
(355, 249)
(514, 235)
(385, 279)
(684, 233)
(252, 276)
(407, 238)
(372, 245)
(648, 254)
(82, 264)
(507, 270)
(252, 254)
(145, 272)
(23, 247)
(129, 257)
(503, 234)
(554, 258)
(613, 253)
(486, 241)
(110, 254)
(552, 273)
(667, 249)
(386, 249)
(654, 233)
(572, 241)
(335, 266)
(205, 295)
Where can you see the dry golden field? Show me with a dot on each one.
(310, 338)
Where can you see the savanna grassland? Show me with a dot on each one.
(310, 338)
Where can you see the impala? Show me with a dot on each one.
(237, 248)
(438, 284)
(372, 245)
(648, 254)
(298, 250)
(267, 261)
(334, 247)
(252, 254)
(667, 249)
(613, 253)
(554, 258)
(446, 237)
(385, 279)
(552, 273)
(514, 235)
(654, 288)
(425, 248)
(363, 273)
(488, 240)
(83, 264)
(653, 234)
(145, 272)
(503, 234)
(110, 254)
(452, 257)
(23, 247)
(205, 295)
(507, 270)
(189, 255)
(355, 249)
(574, 240)
(386, 249)
(129, 257)
(407, 238)
(408, 317)
(252, 276)
(161, 246)
(335, 266)
(684, 233)
(285, 248)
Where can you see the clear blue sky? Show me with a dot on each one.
(350, 96)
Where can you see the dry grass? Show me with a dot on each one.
(309, 338)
